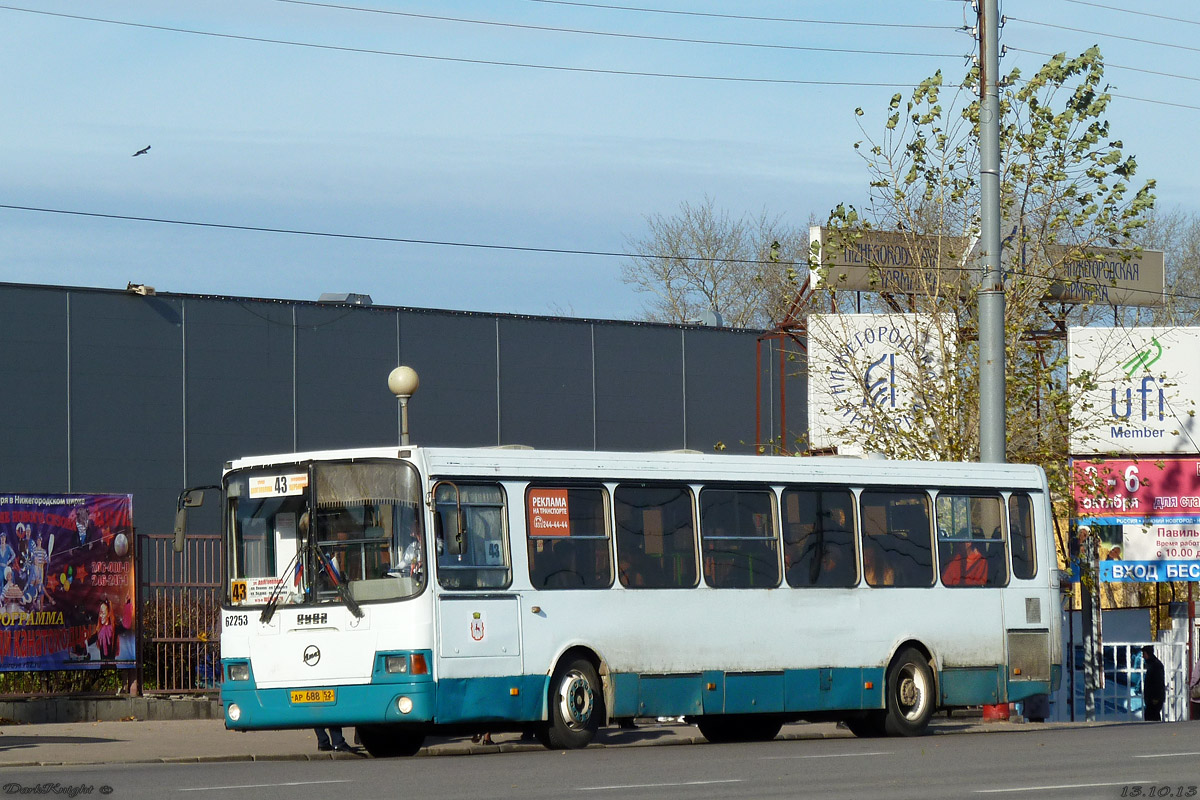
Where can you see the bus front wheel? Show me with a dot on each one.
(386, 741)
(576, 706)
(910, 694)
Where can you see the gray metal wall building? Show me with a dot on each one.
(108, 391)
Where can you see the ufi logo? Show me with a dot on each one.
(1141, 361)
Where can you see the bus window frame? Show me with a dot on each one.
(444, 552)
(890, 489)
(773, 525)
(851, 492)
(1030, 537)
(234, 565)
(689, 490)
(606, 519)
(973, 493)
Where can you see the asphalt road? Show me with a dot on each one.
(1117, 761)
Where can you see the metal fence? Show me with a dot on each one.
(1120, 698)
(180, 614)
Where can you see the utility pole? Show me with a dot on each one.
(991, 287)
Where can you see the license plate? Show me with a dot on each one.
(314, 696)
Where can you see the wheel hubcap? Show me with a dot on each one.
(575, 700)
(912, 692)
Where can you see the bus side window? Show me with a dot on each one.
(567, 532)
(818, 537)
(656, 536)
(896, 538)
(971, 548)
(478, 558)
(1020, 529)
(737, 529)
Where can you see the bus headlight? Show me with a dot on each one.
(234, 712)
(239, 672)
(405, 704)
(396, 663)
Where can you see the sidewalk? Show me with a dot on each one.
(206, 740)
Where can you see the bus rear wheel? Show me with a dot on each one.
(388, 741)
(576, 706)
(910, 694)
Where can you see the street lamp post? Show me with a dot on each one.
(403, 382)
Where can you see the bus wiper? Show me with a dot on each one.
(343, 592)
(273, 599)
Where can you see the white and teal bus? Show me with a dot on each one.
(412, 591)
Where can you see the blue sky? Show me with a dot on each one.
(261, 134)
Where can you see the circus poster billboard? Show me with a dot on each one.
(67, 593)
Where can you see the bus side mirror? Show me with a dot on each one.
(181, 515)
(188, 498)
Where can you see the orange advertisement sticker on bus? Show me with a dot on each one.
(548, 513)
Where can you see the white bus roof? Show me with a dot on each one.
(500, 462)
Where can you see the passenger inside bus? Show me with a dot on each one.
(408, 561)
(877, 569)
(629, 576)
(967, 566)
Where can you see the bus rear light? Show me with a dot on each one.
(396, 664)
(419, 667)
(405, 704)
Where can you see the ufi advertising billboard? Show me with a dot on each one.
(67, 599)
(1136, 390)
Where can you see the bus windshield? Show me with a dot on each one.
(305, 535)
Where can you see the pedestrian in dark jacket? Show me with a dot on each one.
(1154, 686)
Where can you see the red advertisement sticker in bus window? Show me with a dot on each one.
(548, 513)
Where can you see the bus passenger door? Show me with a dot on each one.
(479, 663)
(479, 657)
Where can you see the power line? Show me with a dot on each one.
(1112, 66)
(322, 234)
(479, 61)
(616, 34)
(748, 17)
(473, 245)
(1131, 97)
(1131, 11)
(1100, 33)
(1156, 102)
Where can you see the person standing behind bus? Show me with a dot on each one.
(1154, 690)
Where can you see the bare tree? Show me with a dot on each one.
(1177, 234)
(702, 259)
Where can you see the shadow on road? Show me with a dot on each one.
(631, 735)
(9, 742)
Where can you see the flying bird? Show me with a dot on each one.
(142, 152)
